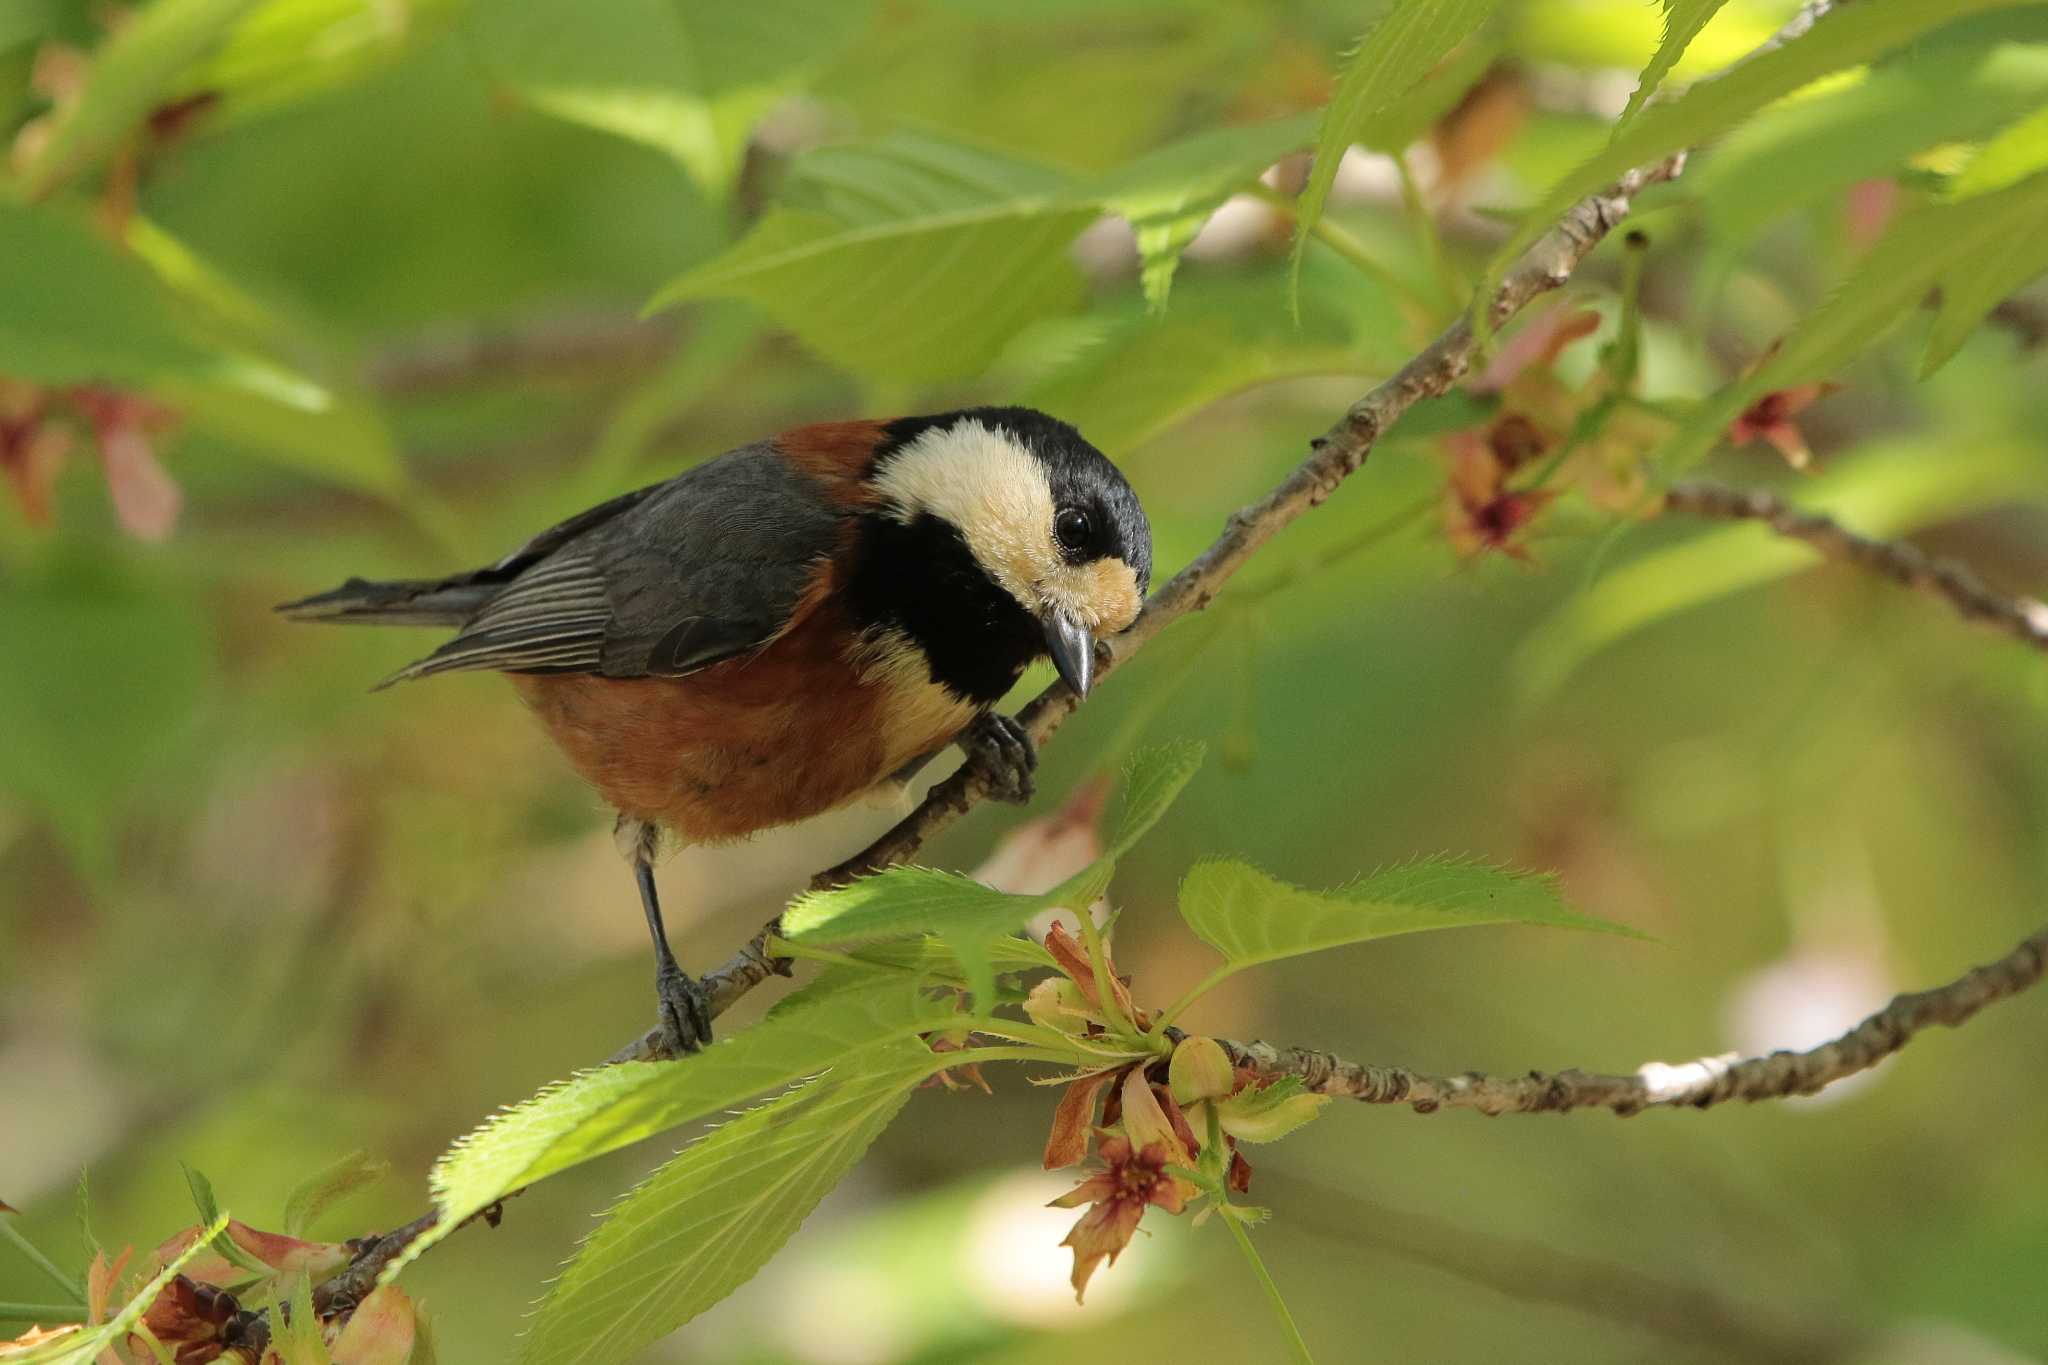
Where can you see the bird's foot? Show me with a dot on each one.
(1002, 749)
(682, 1014)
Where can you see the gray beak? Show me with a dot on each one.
(1072, 649)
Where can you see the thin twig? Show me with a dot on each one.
(1697, 1084)
(2023, 618)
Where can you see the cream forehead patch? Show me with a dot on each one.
(993, 492)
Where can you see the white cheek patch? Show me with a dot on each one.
(976, 479)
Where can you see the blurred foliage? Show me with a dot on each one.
(308, 288)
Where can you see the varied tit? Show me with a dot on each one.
(774, 632)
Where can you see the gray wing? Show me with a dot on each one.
(702, 568)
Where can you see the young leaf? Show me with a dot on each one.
(131, 73)
(897, 902)
(706, 1222)
(1251, 918)
(1153, 781)
(1394, 57)
(1844, 38)
(1683, 20)
(79, 1348)
(329, 1185)
(908, 259)
(298, 1339)
(1168, 193)
(601, 1111)
(286, 50)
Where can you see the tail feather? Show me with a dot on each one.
(407, 602)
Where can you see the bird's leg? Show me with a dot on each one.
(1003, 750)
(682, 1005)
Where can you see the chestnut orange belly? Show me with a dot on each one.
(766, 739)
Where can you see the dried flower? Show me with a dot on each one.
(1133, 1179)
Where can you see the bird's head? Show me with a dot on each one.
(1044, 515)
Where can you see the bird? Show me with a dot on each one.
(793, 624)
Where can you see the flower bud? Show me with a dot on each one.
(1057, 1003)
(1200, 1070)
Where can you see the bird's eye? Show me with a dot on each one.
(1071, 528)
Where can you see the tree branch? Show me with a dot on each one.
(2023, 618)
(1701, 1083)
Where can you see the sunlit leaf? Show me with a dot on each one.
(908, 259)
(689, 79)
(79, 1348)
(1683, 19)
(1845, 37)
(600, 1111)
(1804, 150)
(1394, 56)
(286, 50)
(1168, 193)
(706, 1222)
(1250, 917)
(131, 72)
(2016, 153)
(1152, 782)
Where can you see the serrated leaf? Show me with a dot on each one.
(908, 259)
(1683, 19)
(81, 1348)
(1168, 193)
(706, 1222)
(1975, 251)
(1805, 150)
(1251, 918)
(202, 1193)
(897, 902)
(601, 1111)
(298, 1340)
(2017, 152)
(326, 1187)
(1153, 781)
(1394, 57)
(1844, 38)
(131, 72)
(688, 79)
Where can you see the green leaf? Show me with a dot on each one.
(709, 1220)
(897, 902)
(2016, 153)
(286, 50)
(2010, 231)
(131, 73)
(908, 259)
(1251, 918)
(82, 1348)
(325, 1187)
(298, 1338)
(1975, 251)
(1270, 1112)
(1153, 781)
(1168, 193)
(1683, 19)
(689, 79)
(1844, 38)
(1805, 150)
(202, 1193)
(1393, 58)
(603, 1110)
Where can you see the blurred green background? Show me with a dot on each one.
(252, 917)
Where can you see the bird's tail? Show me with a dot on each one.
(405, 602)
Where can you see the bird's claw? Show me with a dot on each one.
(1002, 749)
(682, 1014)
